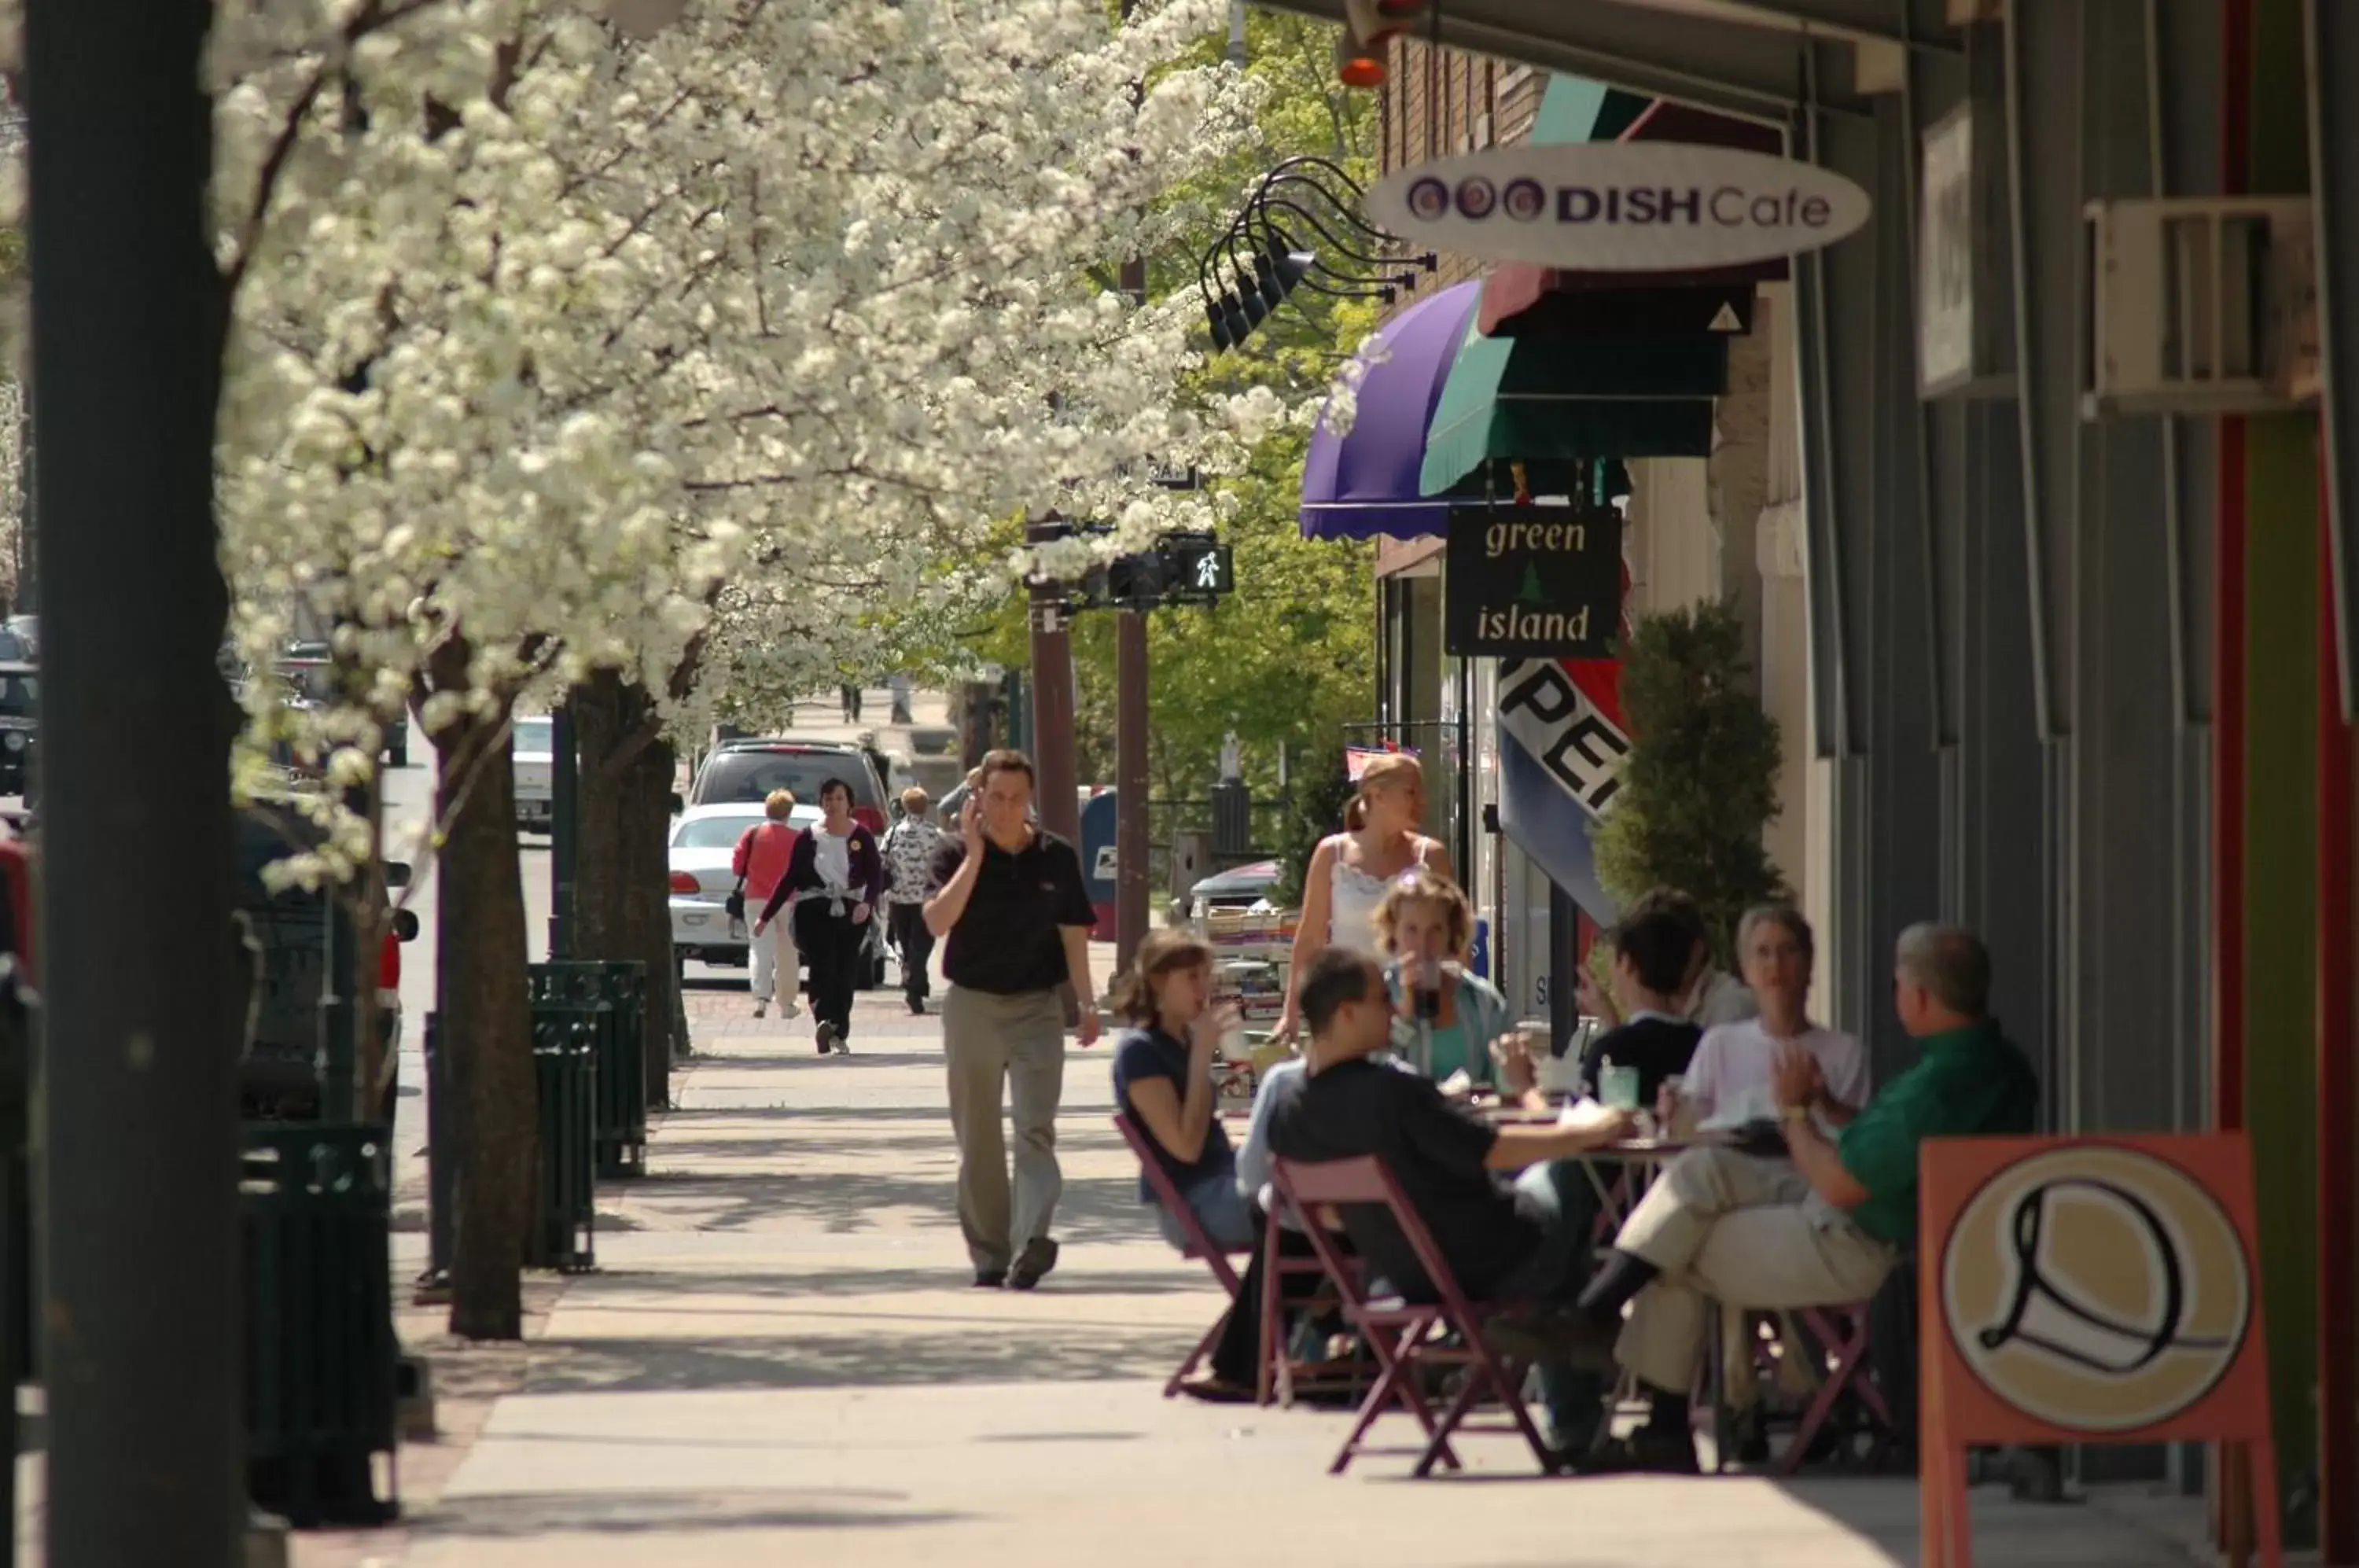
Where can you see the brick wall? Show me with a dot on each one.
(1439, 102)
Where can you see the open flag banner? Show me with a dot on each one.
(1562, 739)
(1357, 757)
(1566, 716)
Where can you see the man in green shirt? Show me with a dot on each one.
(1825, 1230)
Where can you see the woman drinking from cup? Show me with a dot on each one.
(1450, 1016)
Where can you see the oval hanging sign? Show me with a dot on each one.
(1619, 206)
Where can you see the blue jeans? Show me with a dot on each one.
(1219, 1207)
(1560, 1196)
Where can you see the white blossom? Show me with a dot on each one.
(734, 328)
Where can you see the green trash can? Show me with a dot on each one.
(564, 1058)
(316, 1206)
(618, 992)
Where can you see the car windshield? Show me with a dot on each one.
(18, 693)
(713, 833)
(535, 735)
(752, 775)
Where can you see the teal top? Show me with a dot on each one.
(1466, 1045)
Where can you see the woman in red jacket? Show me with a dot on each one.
(764, 851)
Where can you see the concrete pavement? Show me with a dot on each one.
(781, 1355)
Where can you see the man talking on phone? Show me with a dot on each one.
(1017, 918)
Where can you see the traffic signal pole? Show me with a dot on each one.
(1130, 747)
(1130, 785)
(1052, 698)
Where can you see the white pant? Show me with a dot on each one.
(773, 954)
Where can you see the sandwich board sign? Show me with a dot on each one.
(2085, 1290)
(1620, 206)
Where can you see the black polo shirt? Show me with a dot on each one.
(1436, 1152)
(1009, 941)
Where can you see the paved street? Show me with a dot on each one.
(780, 1355)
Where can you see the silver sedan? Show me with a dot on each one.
(703, 842)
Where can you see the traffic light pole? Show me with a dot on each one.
(144, 1339)
(1130, 742)
(1052, 698)
(1130, 785)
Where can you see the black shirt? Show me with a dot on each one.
(1657, 1046)
(1434, 1151)
(1009, 941)
(1144, 1053)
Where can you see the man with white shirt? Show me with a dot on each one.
(1730, 1077)
(1731, 1081)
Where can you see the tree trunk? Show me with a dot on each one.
(486, 1024)
(623, 867)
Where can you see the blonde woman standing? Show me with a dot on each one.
(1351, 870)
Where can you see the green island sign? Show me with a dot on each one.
(1533, 583)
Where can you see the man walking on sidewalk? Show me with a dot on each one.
(1018, 919)
(911, 847)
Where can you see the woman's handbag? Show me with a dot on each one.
(735, 902)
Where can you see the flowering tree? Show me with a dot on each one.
(560, 343)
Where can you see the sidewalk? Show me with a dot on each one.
(781, 1358)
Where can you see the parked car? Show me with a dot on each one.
(533, 747)
(1239, 888)
(745, 772)
(282, 938)
(19, 690)
(703, 842)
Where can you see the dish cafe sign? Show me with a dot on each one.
(1619, 206)
(1532, 582)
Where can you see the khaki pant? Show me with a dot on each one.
(1017, 1041)
(1749, 1233)
(775, 957)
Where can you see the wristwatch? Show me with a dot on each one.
(1792, 1114)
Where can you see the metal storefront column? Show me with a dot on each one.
(2334, 60)
(1873, 672)
(2043, 158)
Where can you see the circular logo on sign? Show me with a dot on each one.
(1429, 199)
(1524, 200)
(1476, 197)
(2096, 1288)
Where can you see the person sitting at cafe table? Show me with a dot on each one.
(1728, 1081)
(1651, 954)
(1449, 1015)
(1163, 1081)
(1514, 1244)
(1823, 1231)
(1708, 995)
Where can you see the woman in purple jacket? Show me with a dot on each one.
(835, 881)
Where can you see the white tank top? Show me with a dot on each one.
(1352, 899)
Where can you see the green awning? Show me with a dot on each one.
(1546, 402)
(1553, 406)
